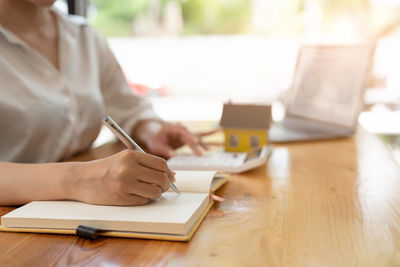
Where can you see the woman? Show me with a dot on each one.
(58, 78)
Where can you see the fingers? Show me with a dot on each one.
(189, 139)
(204, 145)
(145, 190)
(173, 136)
(150, 176)
(144, 175)
(202, 134)
(194, 140)
(153, 162)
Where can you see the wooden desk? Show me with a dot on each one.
(327, 203)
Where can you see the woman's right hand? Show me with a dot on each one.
(126, 178)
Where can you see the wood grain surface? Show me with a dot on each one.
(324, 203)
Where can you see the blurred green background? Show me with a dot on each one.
(268, 17)
(117, 18)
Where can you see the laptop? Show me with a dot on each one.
(326, 95)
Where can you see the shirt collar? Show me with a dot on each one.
(68, 29)
(10, 36)
(70, 23)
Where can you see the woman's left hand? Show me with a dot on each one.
(164, 138)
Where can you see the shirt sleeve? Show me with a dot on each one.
(121, 103)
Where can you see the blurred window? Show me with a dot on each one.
(191, 54)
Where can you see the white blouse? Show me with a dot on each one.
(48, 114)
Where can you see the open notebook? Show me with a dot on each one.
(172, 217)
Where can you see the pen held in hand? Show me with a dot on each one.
(128, 142)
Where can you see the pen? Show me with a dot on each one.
(127, 140)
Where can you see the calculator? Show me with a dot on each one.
(232, 162)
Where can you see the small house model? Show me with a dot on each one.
(245, 126)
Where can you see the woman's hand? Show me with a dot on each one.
(163, 138)
(127, 178)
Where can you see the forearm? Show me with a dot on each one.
(22, 183)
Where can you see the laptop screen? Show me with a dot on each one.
(329, 83)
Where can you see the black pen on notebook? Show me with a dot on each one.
(127, 140)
